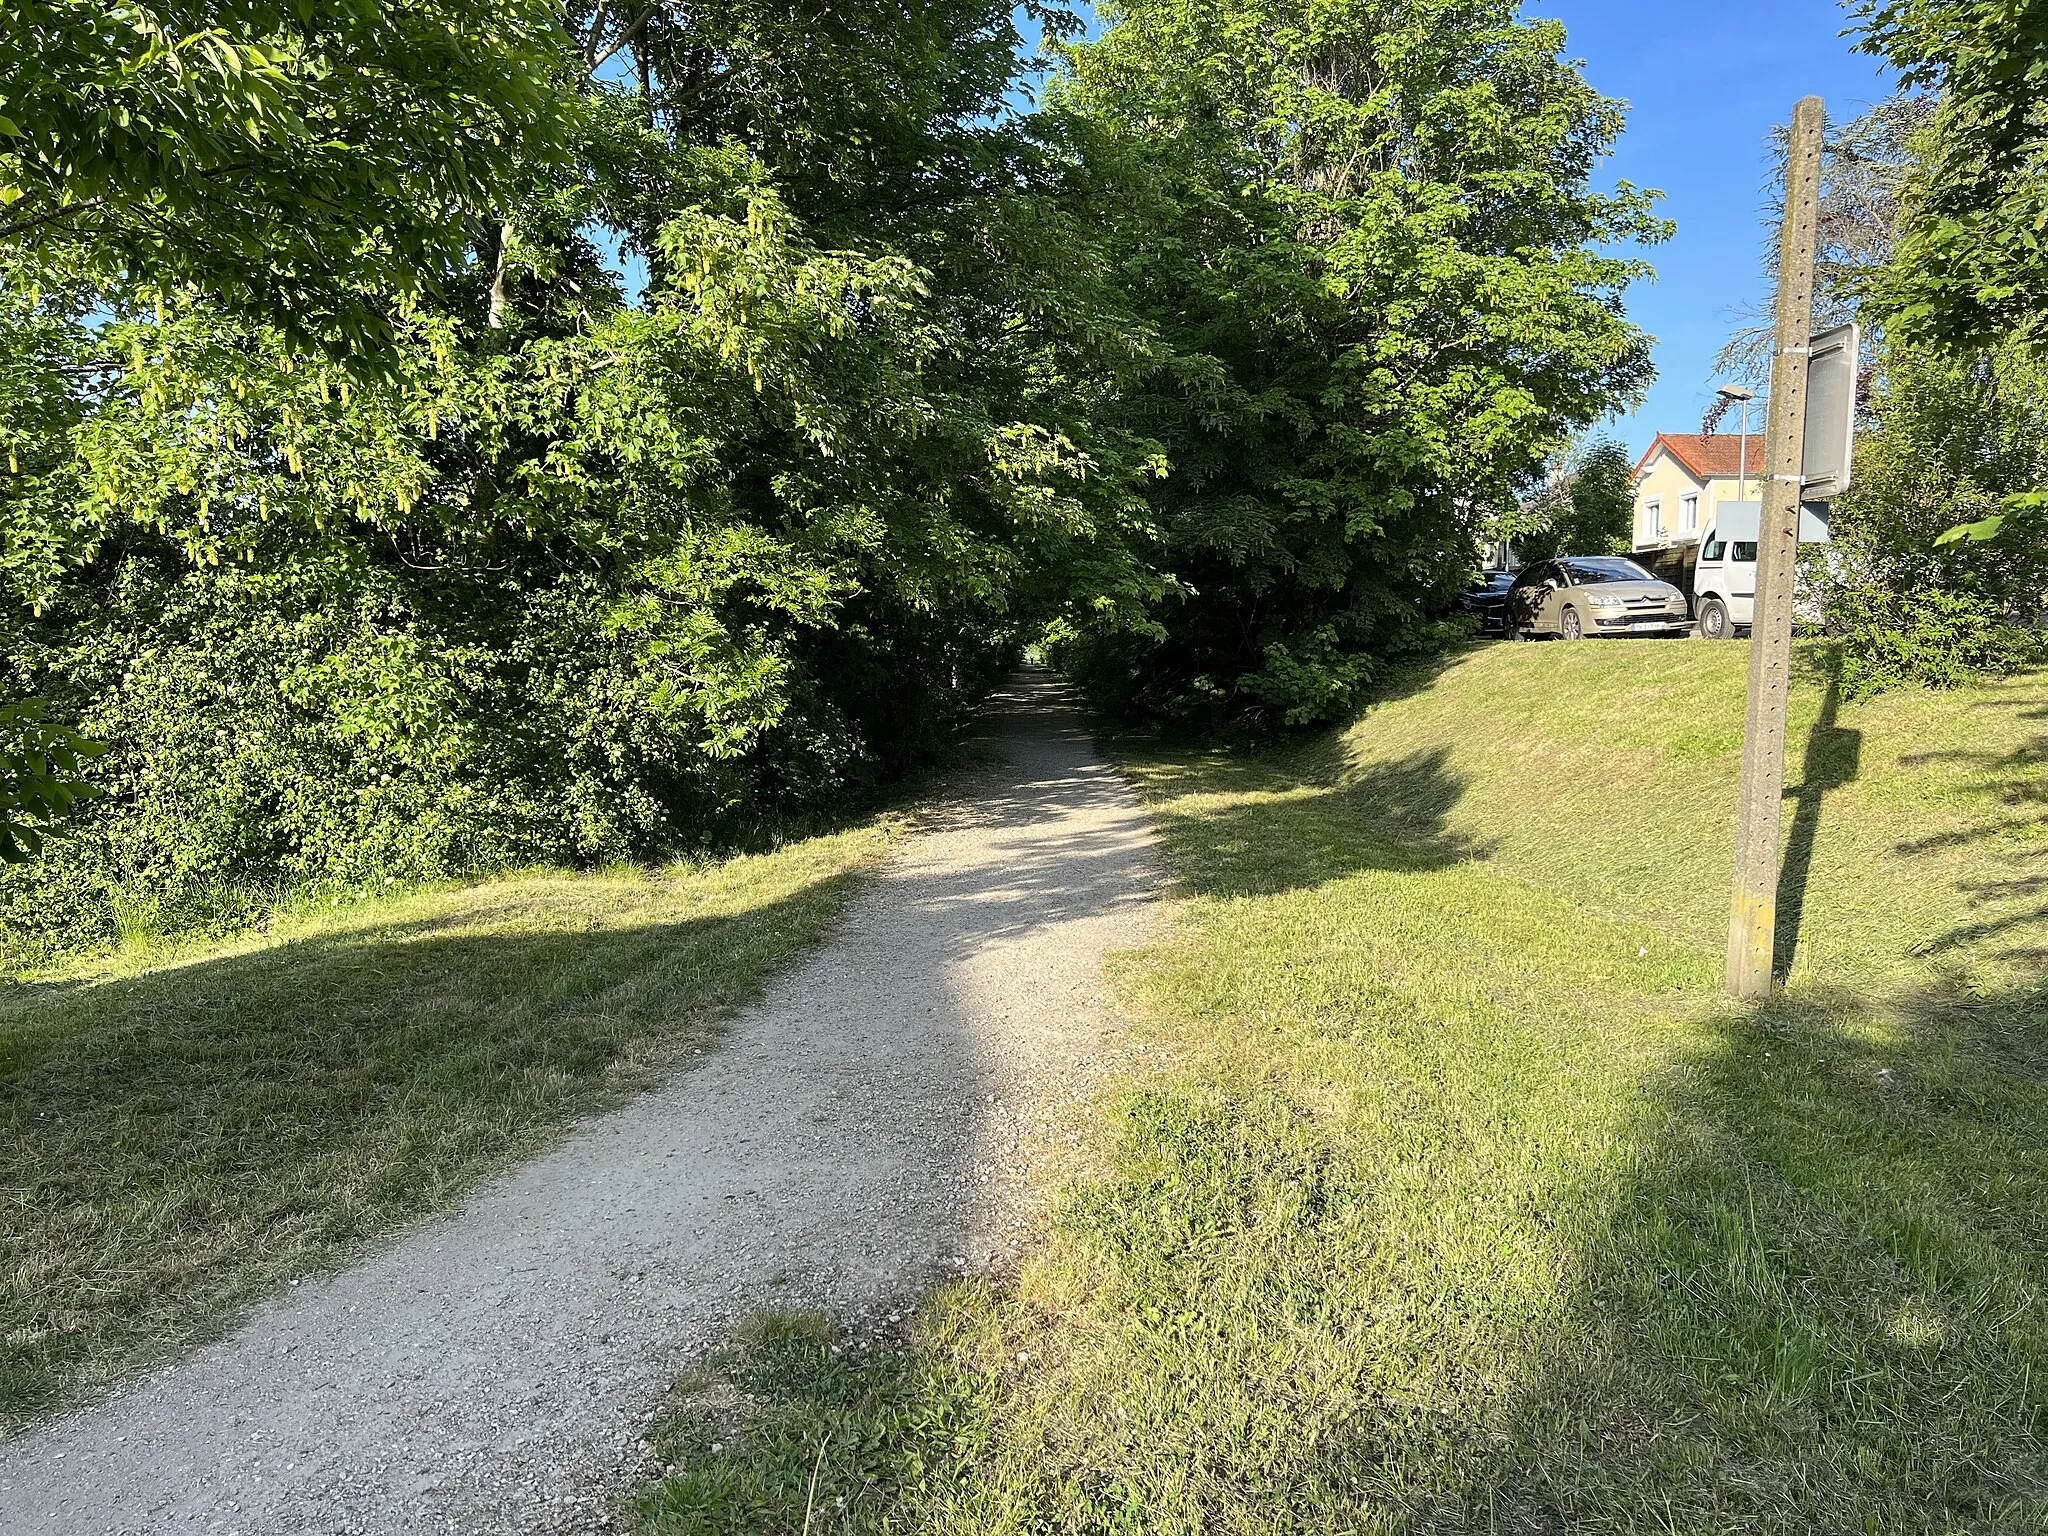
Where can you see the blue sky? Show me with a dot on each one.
(1705, 84)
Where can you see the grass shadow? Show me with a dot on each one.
(1454, 1199)
(1276, 832)
(1820, 1293)
(1811, 1303)
(177, 1145)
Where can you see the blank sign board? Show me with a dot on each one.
(1831, 369)
(1738, 522)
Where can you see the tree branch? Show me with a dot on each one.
(625, 37)
(50, 216)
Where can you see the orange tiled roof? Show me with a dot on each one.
(1703, 455)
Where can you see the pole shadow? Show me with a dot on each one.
(1834, 755)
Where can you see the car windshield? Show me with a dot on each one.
(1590, 573)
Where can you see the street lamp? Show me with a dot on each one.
(1736, 394)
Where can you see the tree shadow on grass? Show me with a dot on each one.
(1813, 1303)
(1817, 1304)
(1795, 1286)
(1803, 1292)
(175, 1146)
(2017, 782)
(1280, 829)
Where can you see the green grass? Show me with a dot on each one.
(183, 1132)
(1460, 1200)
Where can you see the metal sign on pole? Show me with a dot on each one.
(1834, 360)
(1760, 812)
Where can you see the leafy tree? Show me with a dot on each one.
(296, 161)
(1586, 507)
(1971, 270)
(40, 763)
(308, 166)
(1366, 235)
(1955, 438)
(1930, 219)
(563, 577)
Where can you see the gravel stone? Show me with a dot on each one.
(867, 1127)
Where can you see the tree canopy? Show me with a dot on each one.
(1367, 236)
(304, 164)
(1972, 261)
(383, 526)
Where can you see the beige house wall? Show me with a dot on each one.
(1660, 500)
(1662, 489)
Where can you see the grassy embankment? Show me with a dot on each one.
(1464, 1202)
(184, 1131)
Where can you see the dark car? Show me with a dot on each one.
(1579, 597)
(1486, 600)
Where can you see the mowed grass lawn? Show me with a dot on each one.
(1460, 1200)
(181, 1134)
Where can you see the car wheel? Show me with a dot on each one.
(1714, 623)
(1573, 630)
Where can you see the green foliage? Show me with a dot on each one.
(298, 162)
(1970, 270)
(322, 720)
(559, 577)
(1955, 441)
(426, 551)
(1587, 507)
(1960, 300)
(1937, 636)
(1366, 233)
(40, 766)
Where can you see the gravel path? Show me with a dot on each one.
(853, 1137)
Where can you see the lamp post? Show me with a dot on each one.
(1737, 395)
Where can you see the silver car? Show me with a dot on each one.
(1581, 597)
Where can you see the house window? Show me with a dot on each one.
(1653, 518)
(1689, 514)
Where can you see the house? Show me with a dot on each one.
(1685, 478)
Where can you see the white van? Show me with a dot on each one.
(1724, 581)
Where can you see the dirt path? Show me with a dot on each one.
(848, 1141)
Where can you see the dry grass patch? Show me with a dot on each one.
(183, 1132)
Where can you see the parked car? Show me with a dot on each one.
(1486, 600)
(1724, 581)
(1579, 597)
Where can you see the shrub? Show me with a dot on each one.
(333, 723)
(1954, 440)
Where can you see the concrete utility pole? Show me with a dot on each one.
(1760, 816)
